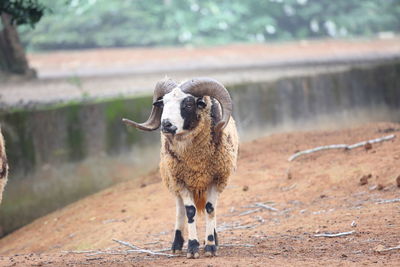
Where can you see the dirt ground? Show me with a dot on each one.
(331, 191)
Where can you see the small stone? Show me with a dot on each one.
(364, 180)
(367, 146)
(379, 187)
(353, 224)
(398, 181)
(289, 174)
(142, 185)
(123, 210)
(245, 188)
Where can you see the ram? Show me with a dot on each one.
(3, 166)
(199, 146)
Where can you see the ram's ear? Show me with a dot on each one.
(200, 103)
(159, 103)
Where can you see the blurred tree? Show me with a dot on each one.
(12, 55)
(76, 24)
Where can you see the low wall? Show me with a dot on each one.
(62, 153)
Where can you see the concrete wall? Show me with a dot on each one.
(60, 154)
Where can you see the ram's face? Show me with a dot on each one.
(180, 112)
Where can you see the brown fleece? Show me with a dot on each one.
(196, 161)
(3, 166)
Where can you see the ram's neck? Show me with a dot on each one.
(197, 142)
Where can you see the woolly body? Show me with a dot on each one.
(199, 158)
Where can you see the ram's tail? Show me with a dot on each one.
(200, 198)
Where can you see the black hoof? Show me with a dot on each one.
(193, 249)
(210, 250)
(178, 242)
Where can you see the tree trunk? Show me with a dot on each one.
(12, 55)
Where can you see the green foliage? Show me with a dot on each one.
(23, 11)
(118, 23)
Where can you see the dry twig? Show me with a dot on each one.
(248, 212)
(334, 235)
(264, 206)
(79, 251)
(234, 226)
(237, 245)
(388, 201)
(341, 146)
(381, 248)
(139, 250)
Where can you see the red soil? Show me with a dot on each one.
(316, 193)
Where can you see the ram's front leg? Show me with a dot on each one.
(177, 244)
(211, 222)
(193, 243)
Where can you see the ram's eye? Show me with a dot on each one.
(200, 103)
(159, 103)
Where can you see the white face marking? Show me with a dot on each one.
(172, 108)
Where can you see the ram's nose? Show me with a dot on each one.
(168, 127)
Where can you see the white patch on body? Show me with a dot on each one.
(172, 108)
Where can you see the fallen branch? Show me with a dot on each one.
(341, 146)
(381, 248)
(335, 235)
(108, 253)
(237, 245)
(262, 205)
(139, 250)
(162, 250)
(116, 220)
(388, 201)
(79, 251)
(248, 212)
(236, 226)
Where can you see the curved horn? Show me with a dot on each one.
(154, 121)
(210, 87)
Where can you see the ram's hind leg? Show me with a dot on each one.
(177, 244)
(193, 243)
(211, 223)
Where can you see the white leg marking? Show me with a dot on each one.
(180, 214)
(191, 214)
(188, 201)
(211, 221)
